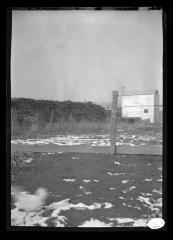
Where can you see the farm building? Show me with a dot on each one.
(144, 106)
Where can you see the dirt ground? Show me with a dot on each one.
(130, 185)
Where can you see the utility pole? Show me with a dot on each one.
(113, 122)
(122, 93)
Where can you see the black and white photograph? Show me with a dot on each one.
(86, 118)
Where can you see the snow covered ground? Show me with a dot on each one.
(93, 190)
(55, 214)
(122, 138)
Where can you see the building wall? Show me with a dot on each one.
(156, 107)
(134, 106)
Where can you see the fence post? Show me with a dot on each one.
(113, 122)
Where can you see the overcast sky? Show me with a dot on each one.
(84, 55)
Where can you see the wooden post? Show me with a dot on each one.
(113, 122)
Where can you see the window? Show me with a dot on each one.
(145, 110)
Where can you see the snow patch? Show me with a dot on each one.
(117, 163)
(20, 218)
(132, 187)
(96, 180)
(88, 192)
(125, 181)
(65, 205)
(75, 157)
(124, 220)
(157, 191)
(148, 179)
(68, 179)
(86, 180)
(115, 174)
(29, 160)
(95, 223)
(153, 205)
(121, 197)
(140, 223)
(90, 140)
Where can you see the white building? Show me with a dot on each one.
(145, 106)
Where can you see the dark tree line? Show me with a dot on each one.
(26, 111)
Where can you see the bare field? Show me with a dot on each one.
(87, 189)
(92, 134)
(84, 128)
(92, 190)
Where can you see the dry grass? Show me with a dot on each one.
(62, 127)
(141, 126)
(82, 127)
